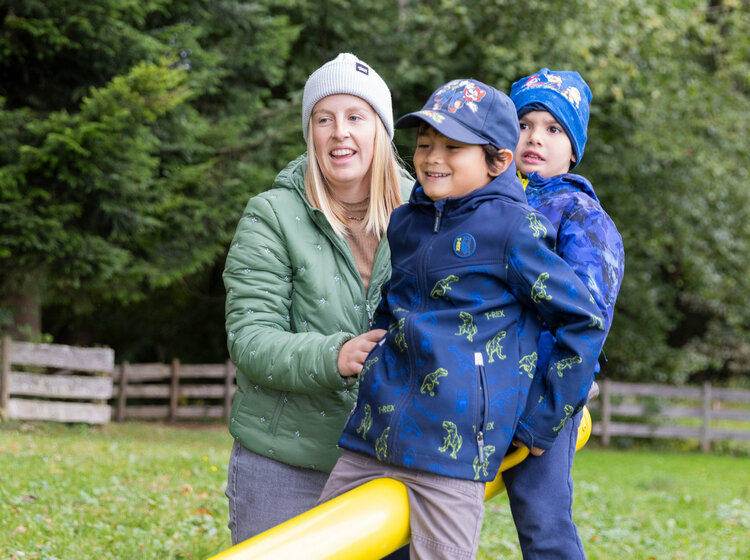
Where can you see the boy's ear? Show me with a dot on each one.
(503, 159)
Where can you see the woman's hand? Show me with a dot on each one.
(354, 352)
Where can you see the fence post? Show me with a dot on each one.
(122, 395)
(706, 427)
(606, 412)
(228, 389)
(174, 389)
(5, 375)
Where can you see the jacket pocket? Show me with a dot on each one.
(483, 404)
(280, 402)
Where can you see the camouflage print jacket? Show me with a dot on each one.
(588, 240)
(472, 279)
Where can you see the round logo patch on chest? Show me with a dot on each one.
(464, 245)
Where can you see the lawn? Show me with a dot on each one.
(150, 491)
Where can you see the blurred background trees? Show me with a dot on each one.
(134, 133)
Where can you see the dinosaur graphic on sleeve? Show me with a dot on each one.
(567, 363)
(539, 290)
(568, 413)
(536, 226)
(528, 364)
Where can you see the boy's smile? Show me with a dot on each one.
(447, 168)
(544, 146)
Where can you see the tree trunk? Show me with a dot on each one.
(22, 297)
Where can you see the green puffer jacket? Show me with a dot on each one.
(294, 296)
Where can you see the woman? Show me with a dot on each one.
(303, 277)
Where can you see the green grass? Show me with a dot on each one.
(123, 491)
(643, 505)
(127, 491)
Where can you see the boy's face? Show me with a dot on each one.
(543, 146)
(448, 168)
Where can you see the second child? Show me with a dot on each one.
(441, 395)
(553, 110)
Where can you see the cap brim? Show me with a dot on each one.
(444, 124)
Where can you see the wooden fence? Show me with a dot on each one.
(174, 391)
(665, 411)
(56, 382)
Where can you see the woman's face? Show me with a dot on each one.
(343, 134)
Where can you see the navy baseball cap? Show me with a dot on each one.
(469, 111)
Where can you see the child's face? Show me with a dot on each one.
(543, 146)
(447, 168)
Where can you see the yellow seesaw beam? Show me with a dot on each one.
(366, 523)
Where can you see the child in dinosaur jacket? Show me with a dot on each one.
(474, 277)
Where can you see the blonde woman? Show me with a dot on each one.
(303, 277)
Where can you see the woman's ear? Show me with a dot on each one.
(503, 159)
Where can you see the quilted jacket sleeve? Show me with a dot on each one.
(547, 284)
(258, 278)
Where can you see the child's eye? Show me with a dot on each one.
(554, 129)
(523, 126)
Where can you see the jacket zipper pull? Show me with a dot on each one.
(480, 445)
(436, 227)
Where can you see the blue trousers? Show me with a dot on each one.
(540, 491)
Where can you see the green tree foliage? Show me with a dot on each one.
(125, 174)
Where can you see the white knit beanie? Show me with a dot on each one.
(347, 74)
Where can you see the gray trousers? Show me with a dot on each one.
(445, 514)
(263, 492)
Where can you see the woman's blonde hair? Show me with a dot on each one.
(385, 186)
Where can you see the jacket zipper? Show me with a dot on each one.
(407, 327)
(482, 424)
(436, 225)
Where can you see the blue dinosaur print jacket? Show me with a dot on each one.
(473, 280)
(588, 240)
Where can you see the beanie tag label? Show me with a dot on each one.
(362, 68)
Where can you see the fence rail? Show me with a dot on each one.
(174, 391)
(651, 405)
(71, 384)
(56, 382)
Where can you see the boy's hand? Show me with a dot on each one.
(536, 451)
(354, 352)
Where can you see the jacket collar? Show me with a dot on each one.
(506, 185)
(567, 182)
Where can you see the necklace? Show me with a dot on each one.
(359, 219)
